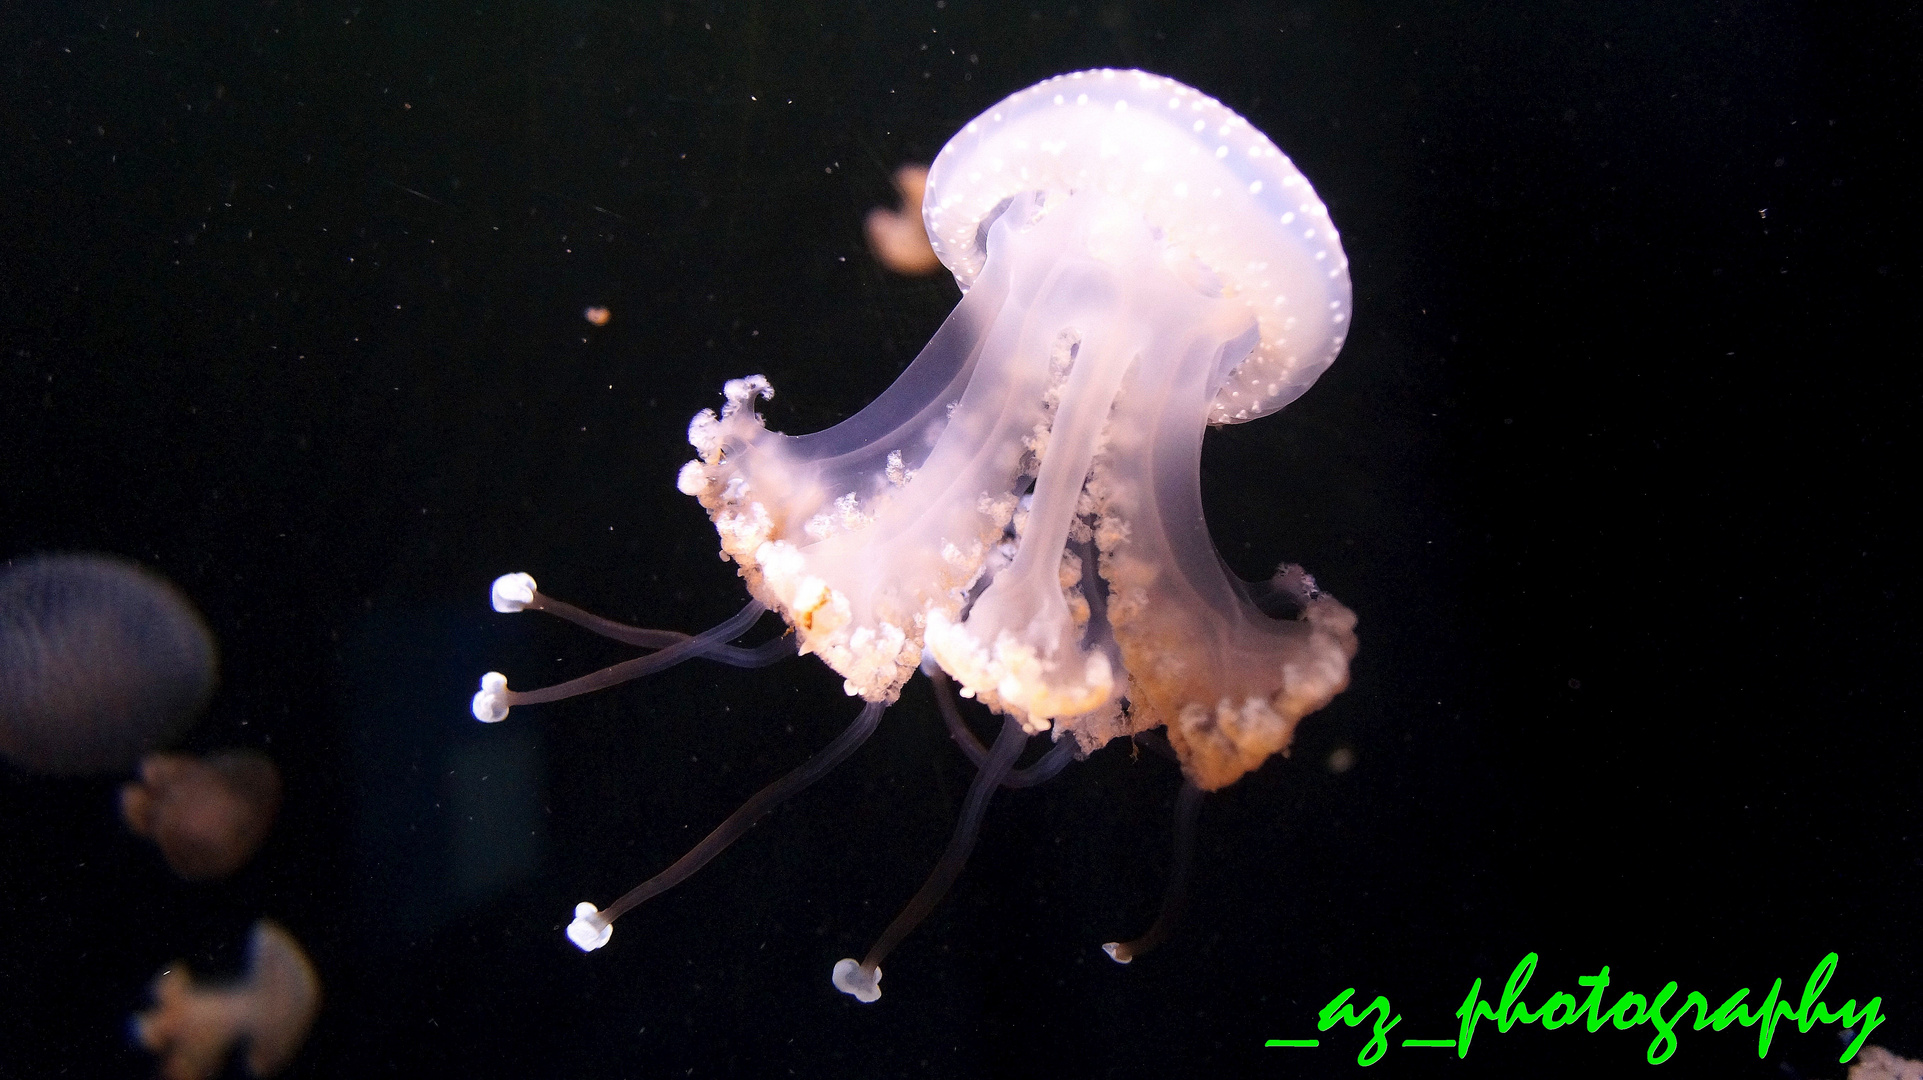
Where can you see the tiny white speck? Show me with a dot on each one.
(1288, 217)
(1255, 187)
(1221, 151)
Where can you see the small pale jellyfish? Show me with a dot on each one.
(207, 814)
(194, 1026)
(1877, 1063)
(101, 662)
(896, 237)
(1021, 511)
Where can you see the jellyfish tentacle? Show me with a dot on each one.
(863, 981)
(1043, 768)
(952, 717)
(1019, 647)
(518, 592)
(768, 652)
(591, 927)
(492, 702)
(733, 655)
(1188, 806)
(1040, 770)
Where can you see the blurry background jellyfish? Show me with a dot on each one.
(896, 237)
(101, 661)
(207, 814)
(194, 1026)
(1876, 1063)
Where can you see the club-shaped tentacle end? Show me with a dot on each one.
(589, 931)
(512, 592)
(862, 984)
(490, 702)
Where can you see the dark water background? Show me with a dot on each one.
(1613, 469)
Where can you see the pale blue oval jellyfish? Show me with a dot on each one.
(1022, 509)
(101, 661)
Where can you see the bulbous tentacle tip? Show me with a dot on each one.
(589, 931)
(490, 702)
(1117, 952)
(862, 984)
(512, 592)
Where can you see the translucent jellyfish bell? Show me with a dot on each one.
(1230, 211)
(101, 661)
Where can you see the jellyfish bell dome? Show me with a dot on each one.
(101, 662)
(1219, 193)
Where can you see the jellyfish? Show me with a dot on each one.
(193, 1026)
(207, 814)
(896, 237)
(1877, 1063)
(101, 661)
(1020, 513)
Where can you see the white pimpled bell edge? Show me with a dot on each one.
(512, 592)
(851, 979)
(1114, 951)
(589, 931)
(490, 704)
